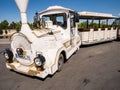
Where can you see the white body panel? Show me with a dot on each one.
(92, 37)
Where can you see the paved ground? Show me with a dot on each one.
(4, 41)
(95, 67)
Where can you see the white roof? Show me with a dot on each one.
(56, 8)
(85, 14)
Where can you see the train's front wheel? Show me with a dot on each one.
(60, 62)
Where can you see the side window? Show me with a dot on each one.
(46, 18)
(60, 20)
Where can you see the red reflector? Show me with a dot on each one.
(7, 61)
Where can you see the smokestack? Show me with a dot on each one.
(25, 29)
(22, 5)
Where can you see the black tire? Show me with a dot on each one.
(10, 55)
(60, 62)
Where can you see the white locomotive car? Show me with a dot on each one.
(43, 51)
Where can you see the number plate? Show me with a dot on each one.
(16, 55)
(22, 57)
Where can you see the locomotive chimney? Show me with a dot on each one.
(25, 29)
(22, 5)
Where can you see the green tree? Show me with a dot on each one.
(82, 25)
(93, 25)
(18, 26)
(116, 23)
(31, 26)
(12, 25)
(4, 24)
(1, 31)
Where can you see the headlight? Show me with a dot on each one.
(19, 51)
(39, 60)
(8, 55)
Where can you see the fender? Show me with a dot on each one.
(54, 66)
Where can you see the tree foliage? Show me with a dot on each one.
(93, 25)
(12, 25)
(1, 31)
(82, 25)
(4, 24)
(116, 23)
(18, 26)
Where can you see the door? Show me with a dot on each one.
(72, 29)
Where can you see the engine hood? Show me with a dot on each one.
(44, 32)
(44, 43)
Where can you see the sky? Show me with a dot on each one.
(10, 12)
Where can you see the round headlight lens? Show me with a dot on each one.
(19, 51)
(37, 61)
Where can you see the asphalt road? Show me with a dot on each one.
(94, 67)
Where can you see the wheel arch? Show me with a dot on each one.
(54, 66)
(64, 54)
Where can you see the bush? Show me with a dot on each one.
(1, 32)
(1, 37)
(82, 25)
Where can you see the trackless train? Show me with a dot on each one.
(43, 51)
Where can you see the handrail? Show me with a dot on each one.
(95, 29)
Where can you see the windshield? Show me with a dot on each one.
(51, 20)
